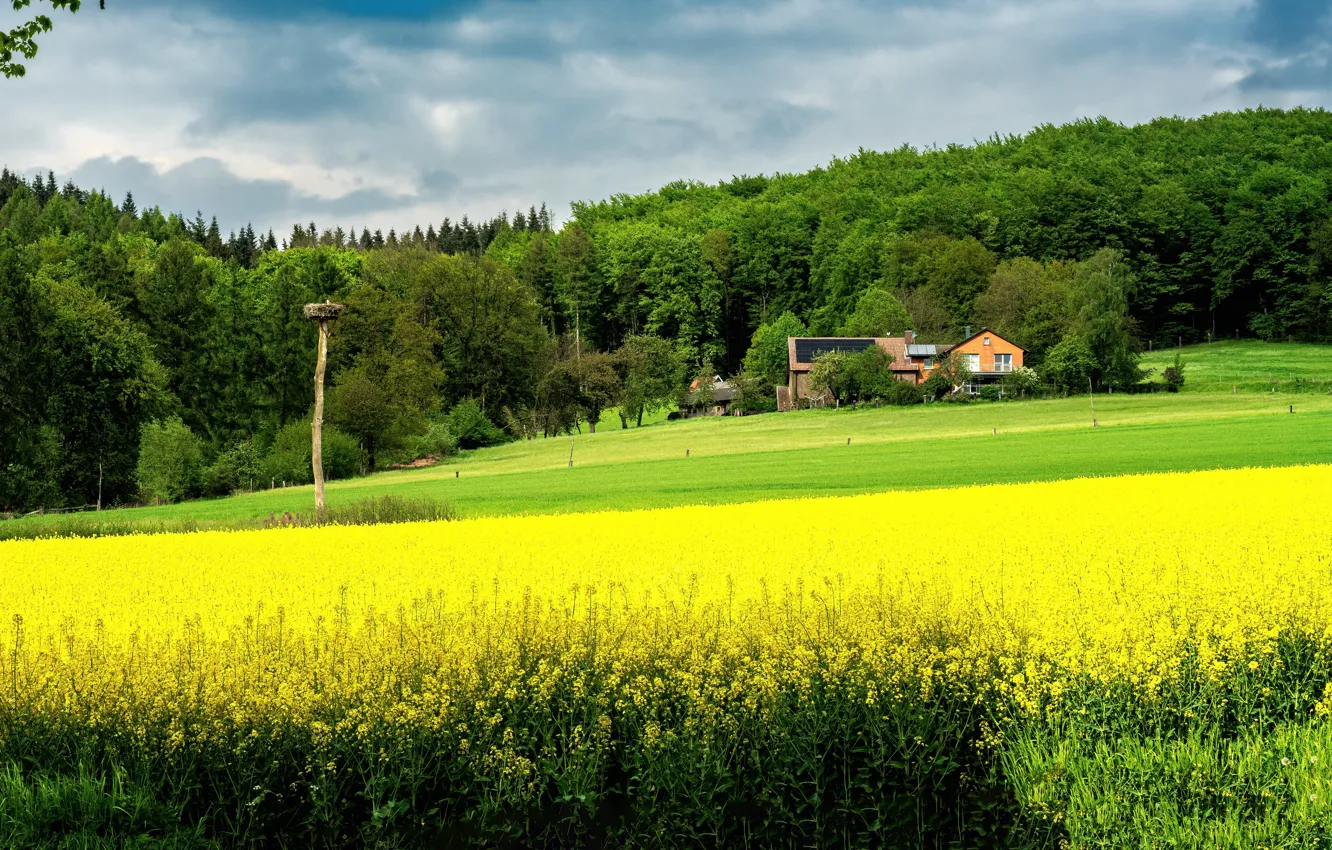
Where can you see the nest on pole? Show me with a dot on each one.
(321, 312)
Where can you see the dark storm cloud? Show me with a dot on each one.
(398, 113)
(1305, 73)
(1294, 38)
(1290, 24)
(299, 9)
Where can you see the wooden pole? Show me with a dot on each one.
(1091, 396)
(317, 443)
(323, 314)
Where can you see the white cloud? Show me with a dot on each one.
(391, 123)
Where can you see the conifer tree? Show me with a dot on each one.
(431, 240)
(213, 242)
(9, 181)
(519, 223)
(128, 207)
(392, 239)
(297, 238)
(379, 238)
(198, 229)
(367, 241)
(533, 223)
(466, 236)
(43, 191)
(246, 249)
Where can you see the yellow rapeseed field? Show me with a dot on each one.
(842, 670)
(1015, 591)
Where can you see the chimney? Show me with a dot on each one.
(966, 334)
(907, 336)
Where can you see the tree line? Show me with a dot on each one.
(1222, 225)
(124, 328)
(142, 357)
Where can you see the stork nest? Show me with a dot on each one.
(327, 310)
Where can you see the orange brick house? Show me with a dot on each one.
(989, 357)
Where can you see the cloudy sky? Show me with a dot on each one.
(389, 113)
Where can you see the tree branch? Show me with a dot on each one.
(21, 41)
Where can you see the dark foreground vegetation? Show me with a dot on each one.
(821, 765)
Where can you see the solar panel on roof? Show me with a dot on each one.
(808, 349)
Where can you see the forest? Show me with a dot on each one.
(129, 336)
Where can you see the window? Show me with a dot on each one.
(973, 362)
(987, 340)
(1003, 362)
(929, 362)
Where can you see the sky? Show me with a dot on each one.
(395, 113)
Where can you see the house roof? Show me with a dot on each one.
(805, 349)
(927, 350)
(801, 351)
(983, 332)
(721, 391)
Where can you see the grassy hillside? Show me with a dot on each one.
(1249, 365)
(806, 453)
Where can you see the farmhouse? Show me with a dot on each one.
(723, 394)
(988, 357)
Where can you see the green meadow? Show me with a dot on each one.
(1248, 366)
(831, 452)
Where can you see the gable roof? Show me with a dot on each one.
(801, 351)
(983, 332)
(721, 390)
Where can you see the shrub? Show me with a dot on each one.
(1022, 383)
(936, 386)
(1071, 363)
(343, 456)
(170, 464)
(290, 458)
(237, 468)
(751, 394)
(867, 374)
(1174, 375)
(950, 372)
(990, 393)
(438, 441)
(472, 428)
(827, 373)
(902, 393)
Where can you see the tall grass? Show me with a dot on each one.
(375, 510)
